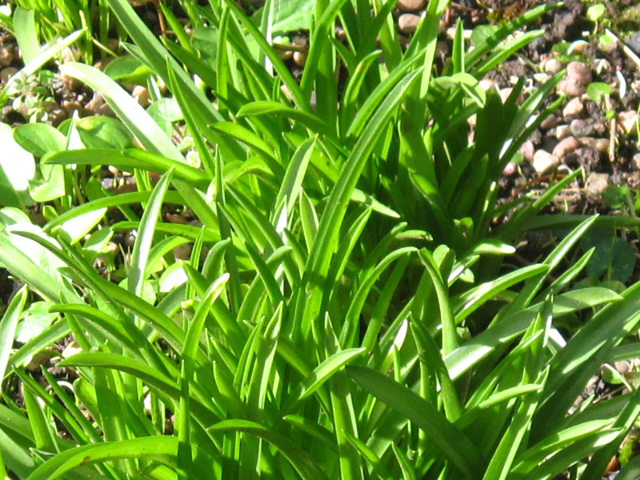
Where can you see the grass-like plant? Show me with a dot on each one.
(327, 323)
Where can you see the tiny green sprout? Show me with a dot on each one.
(595, 13)
(598, 90)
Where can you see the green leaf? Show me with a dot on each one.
(299, 458)
(17, 168)
(39, 138)
(26, 34)
(453, 443)
(162, 449)
(8, 326)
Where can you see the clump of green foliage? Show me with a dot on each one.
(344, 311)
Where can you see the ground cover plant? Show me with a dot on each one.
(344, 308)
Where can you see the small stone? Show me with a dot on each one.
(565, 146)
(628, 122)
(597, 183)
(544, 161)
(527, 150)
(581, 128)
(580, 72)
(600, 144)
(574, 107)
(411, 5)
(572, 88)
(299, 58)
(141, 94)
(183, 252)
(285, 55)
(552, 66)
(57, 116)
(72, 349)
(623, 366)
(579, 46)
(7, 73)
(73, 106)
(562, 131)
(636, 161)
(505, 93)
(511, 168)
(68, 55)
(6, 55)
(408, 23)
(98, 106)
(549, 122)
(113, 44)
(487, 84)
(69, 83)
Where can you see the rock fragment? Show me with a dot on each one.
(565, 146)
(578, 79)
(597, 183)
(628, 122)
(574, 107)
(408, 23)
(580, 128)
(562, 131)
(544, 161)
(7, 55)
(527, 150)
(411, 5)
(552, 66)
(7, 73)
(549, 122)
(600, 144)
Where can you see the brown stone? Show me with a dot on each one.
(408, 23)
(411, 5)
(565, 146)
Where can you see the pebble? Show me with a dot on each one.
(56, 113)
(70, 84)
(113, 44)
(511, 168)
(408, 23)
(562, 131)
(72, 106)
(552, 66)
(572, 88)
(527, 150)
(7, 73)
(411, 5)
(299, 58)
(183, 252)
(98, 106)
(505, 93)
(141, 94)
(579, 71)
(544, 161)
(580, 128)
(628, 122)
(285, 55)
(72, 349)
(600, 144)
(578, 78)
(574, 107)
(549, 122)
(565, 146)
(487, 84)
(6, 55)
(636, 160)
(597, 183)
